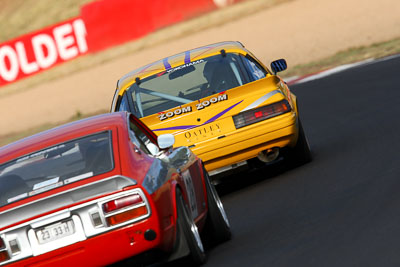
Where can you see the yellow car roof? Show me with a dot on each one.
(180, 59)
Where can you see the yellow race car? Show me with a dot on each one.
(222, 102)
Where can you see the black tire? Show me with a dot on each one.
(190, 231)
(301, 153)
(217, 228)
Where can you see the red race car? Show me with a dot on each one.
(102, 190)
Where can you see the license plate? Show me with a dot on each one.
(55, 231)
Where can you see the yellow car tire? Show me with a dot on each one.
(301, 153)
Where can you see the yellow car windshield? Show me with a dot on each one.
(188, 82)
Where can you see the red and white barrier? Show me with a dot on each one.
(112, 22)
(41, 50)
(102, 24)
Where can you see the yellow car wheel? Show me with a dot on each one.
(301, 153)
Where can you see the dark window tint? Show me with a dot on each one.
(123, 106)
(254, 69)
(55, 166)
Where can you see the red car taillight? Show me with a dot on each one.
(126, 215)
(122, 203)
(124, 209)
(4, 256)
(3, 252)
(259, 114)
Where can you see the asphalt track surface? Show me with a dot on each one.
(343, 208)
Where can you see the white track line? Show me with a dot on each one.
(325, 73)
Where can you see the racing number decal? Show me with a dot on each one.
(187, 178)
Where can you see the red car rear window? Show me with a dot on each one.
(55, 166)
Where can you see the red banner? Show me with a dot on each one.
(41, 50)
(114, 22)
(102, 24)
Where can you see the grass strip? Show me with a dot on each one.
(352, 55)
